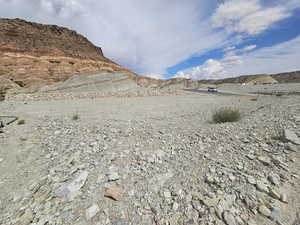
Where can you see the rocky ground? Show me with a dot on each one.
(151, 160)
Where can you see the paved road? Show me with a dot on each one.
(220, 92)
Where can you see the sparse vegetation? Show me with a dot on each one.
(224, 115)
(21, 122)
(75, 117)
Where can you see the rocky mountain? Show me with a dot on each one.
(288, 77)
(32, 54)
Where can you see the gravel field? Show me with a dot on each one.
(151, 160)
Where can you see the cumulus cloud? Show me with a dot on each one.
(279, 58)
(146, 36)
(249, 17)
(156, 76)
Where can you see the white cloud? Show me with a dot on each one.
(155, 76)
(146, 36)
(249, 48)
(249, 17)
(208, 70)
(279, 58)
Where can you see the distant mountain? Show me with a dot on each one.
(288, 77)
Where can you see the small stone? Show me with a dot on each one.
(264, 160)
(209, 179)
(251, 157)
(274, 194)
(92, 211)
(274, 179)
(26, 218)
(113, 176)
(175, 206)
(115, 193)
(262, 187)
(210, 202)
(232, 178)
(229, 218)
(69, 190)
(264, 210)
(291, 147)
(290, 135)
(1, 160)
(57, 132)
(283, 198)
(167, 195)
(251, 180)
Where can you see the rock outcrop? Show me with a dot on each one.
(33, 55)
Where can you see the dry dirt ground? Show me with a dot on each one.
(150, 160)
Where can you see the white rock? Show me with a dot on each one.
(264, 211)
(273, 193)
(274, 179)
(70, 190)
(264, 160)
(92, 211)
(291, 147)
(229, 218)
(251, 180)
(262, 187)
(113, 176)
(291, 136)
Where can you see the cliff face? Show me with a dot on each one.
(32, 54)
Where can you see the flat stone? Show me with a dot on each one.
(251, 157)
(264, 160)
(262, 187)
(209, 179)
(283, 198)
(113, 176)
(70, 190)
(229, 218)
(274, 194)
(251, 180)
(26, 218)
(274, 179)
(115, 193)
(264, 210)
(210, 202)
(291, 147)
(167, 195)
(92, 211)
(290, 135)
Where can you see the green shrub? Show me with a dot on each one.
(76, 117)
(21, 122)
(224, 115)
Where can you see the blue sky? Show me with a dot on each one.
(191, 38)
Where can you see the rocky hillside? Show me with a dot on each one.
(289, 77)
(32, 54)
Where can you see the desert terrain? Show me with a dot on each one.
(85, 141)
(151, 160)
